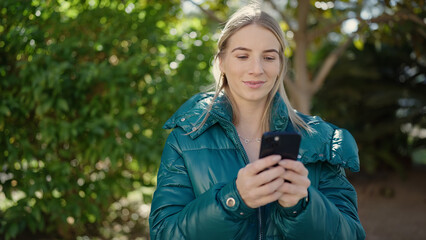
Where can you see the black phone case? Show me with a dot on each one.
(280, 143)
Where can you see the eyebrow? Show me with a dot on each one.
(247, 49)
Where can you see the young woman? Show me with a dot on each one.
(211, 182)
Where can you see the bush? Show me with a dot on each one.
(85, 88)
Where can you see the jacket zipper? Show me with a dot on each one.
(234, 132)
(246, 160)
(260, 223)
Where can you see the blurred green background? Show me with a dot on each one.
(85, 86)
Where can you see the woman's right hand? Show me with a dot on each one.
(258, 182)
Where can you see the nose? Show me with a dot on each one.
(257, 67)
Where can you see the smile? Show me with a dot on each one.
(254, 84)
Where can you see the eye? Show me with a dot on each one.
(269, 58)
(242, 56)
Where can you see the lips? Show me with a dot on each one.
(254, 84)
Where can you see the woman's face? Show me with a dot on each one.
(251, 63)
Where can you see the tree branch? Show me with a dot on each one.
(209, 13)
(318, 32)
(421, 32)
(283, 16)
(302, 15)
(328, 64)
(382, 18)
(397, 16)
(289, 85)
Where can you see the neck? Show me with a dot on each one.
(249, 119)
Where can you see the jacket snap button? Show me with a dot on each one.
(182, 119)
(230, 202)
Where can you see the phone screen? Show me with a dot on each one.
(280, 143)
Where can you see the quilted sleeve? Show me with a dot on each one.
(177, 214)
(331, 212)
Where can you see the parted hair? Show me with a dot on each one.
(252, 14)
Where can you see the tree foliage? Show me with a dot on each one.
(378, 94)
(85, 88)
(311, 24)
(375, 88)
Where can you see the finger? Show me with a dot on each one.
(260, 196)
(262, 164)
(287, 188)
(270, 187)
(295, 166)
(293, 190)
(267, 199)
(270, 174)
(296, 178)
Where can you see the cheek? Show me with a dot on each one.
(273, 70)
(234, 67)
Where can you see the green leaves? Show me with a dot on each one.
(380, 105)
(5, 110)
(85, 89)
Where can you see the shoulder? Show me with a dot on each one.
(190, 112)
(213, 138)
(328, 143)
(201, 112)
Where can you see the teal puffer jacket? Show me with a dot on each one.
(199, 168)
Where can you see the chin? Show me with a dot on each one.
(256, 97)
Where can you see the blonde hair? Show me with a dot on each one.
(245, 16)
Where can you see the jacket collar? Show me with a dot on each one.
(280, 119)
(192, 113)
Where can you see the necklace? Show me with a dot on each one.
(249, 140)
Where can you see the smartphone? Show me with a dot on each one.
(280, 143)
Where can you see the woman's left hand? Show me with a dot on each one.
(296, 186)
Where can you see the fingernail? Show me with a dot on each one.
(277, 158)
